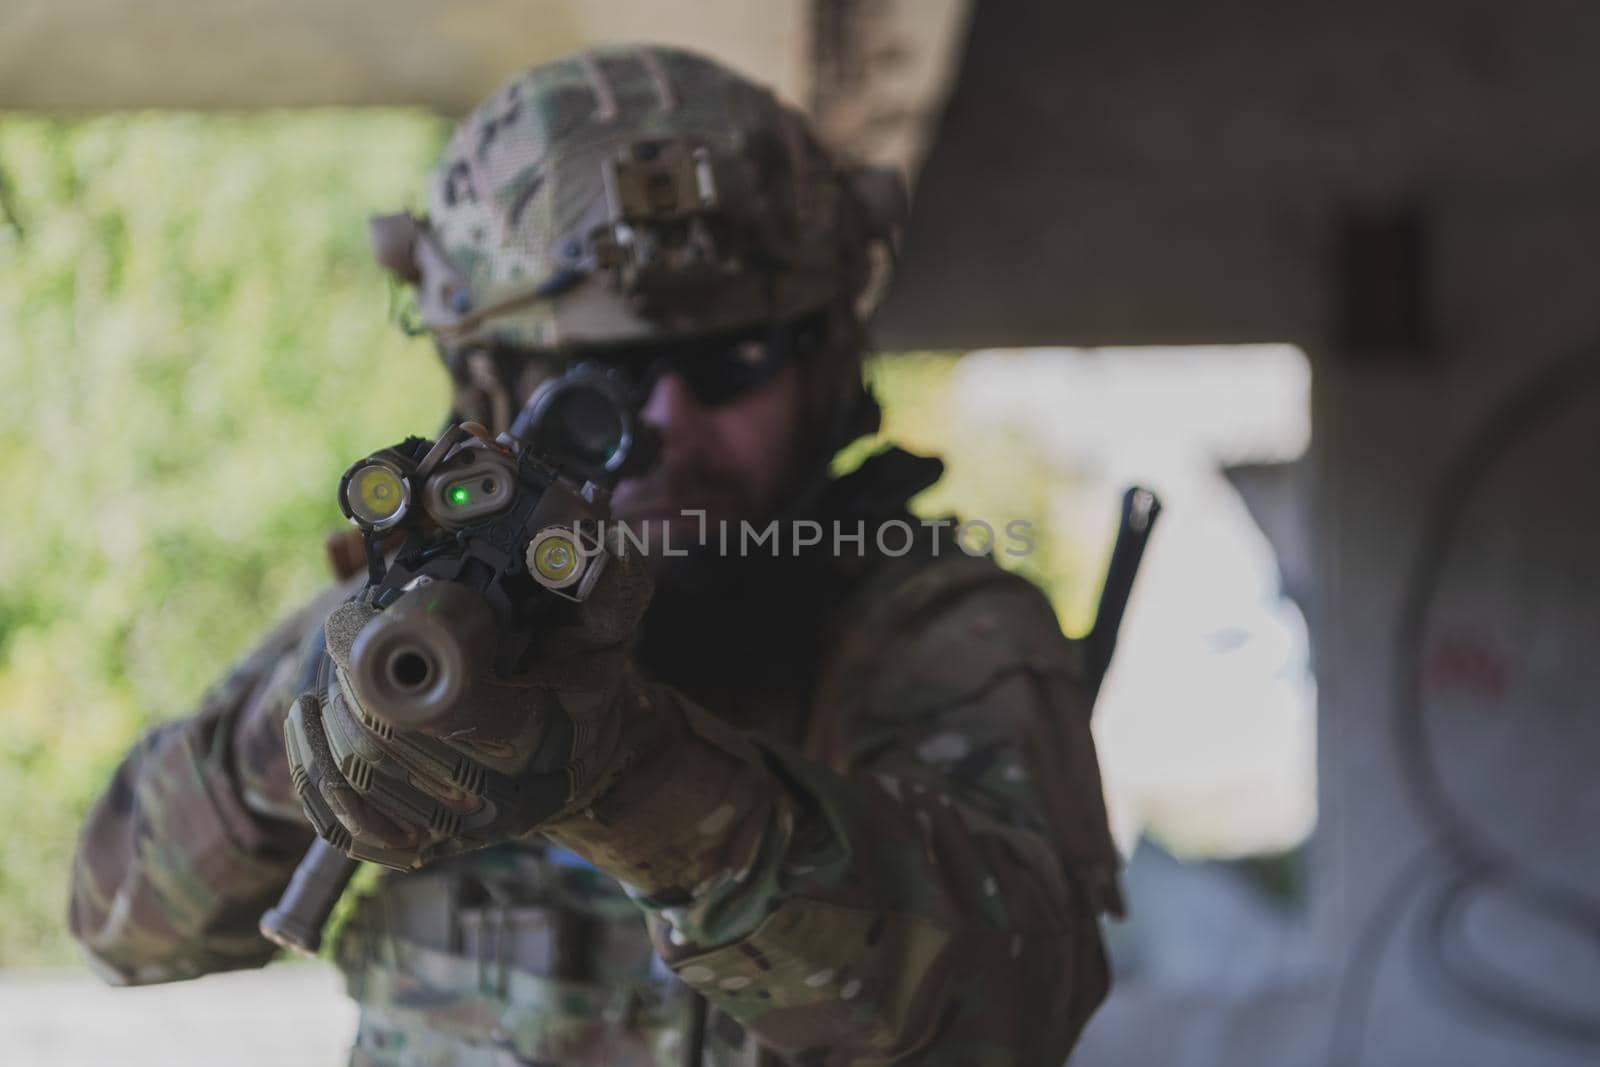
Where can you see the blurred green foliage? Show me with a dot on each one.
(192, 336)
(194, 343)
(993, 474)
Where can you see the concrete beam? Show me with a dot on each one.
(96, 55)
(1176, 173)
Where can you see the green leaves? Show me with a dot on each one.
(194, 342)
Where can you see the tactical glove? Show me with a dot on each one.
(511, 752)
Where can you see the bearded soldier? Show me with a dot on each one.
(847, 796)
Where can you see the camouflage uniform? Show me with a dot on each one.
(870, 829)
(895, 835)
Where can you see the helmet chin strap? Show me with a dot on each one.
(829, 423)
(480, 395)
(839, 402)
(483, 375)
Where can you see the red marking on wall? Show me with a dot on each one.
(1467, 663)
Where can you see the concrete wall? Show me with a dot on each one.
(1461, 726)
(1453, 904)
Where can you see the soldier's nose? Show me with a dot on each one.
(673, 409)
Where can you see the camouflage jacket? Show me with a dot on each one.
(875, 834)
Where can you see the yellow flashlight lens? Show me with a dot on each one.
(376, 495)
(556, 559)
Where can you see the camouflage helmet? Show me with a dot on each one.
(634, 193)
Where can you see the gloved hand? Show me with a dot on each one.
(514, 753)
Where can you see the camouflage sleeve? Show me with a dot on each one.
(198, 832)
(928, 883)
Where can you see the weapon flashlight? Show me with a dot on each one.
(375, 494)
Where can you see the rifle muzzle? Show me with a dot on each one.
(413, 666)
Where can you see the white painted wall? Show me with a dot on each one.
(1508, 707)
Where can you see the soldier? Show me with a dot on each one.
(848, 797)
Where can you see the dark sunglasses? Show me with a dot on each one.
(718, 369)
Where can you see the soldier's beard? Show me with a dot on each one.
(680, 513)
(668, 509)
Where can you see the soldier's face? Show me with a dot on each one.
(732, 460)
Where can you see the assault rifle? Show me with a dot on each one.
(490, 544)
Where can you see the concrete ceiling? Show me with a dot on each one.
(91, 55)
(1187, 172)
(874, 73)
